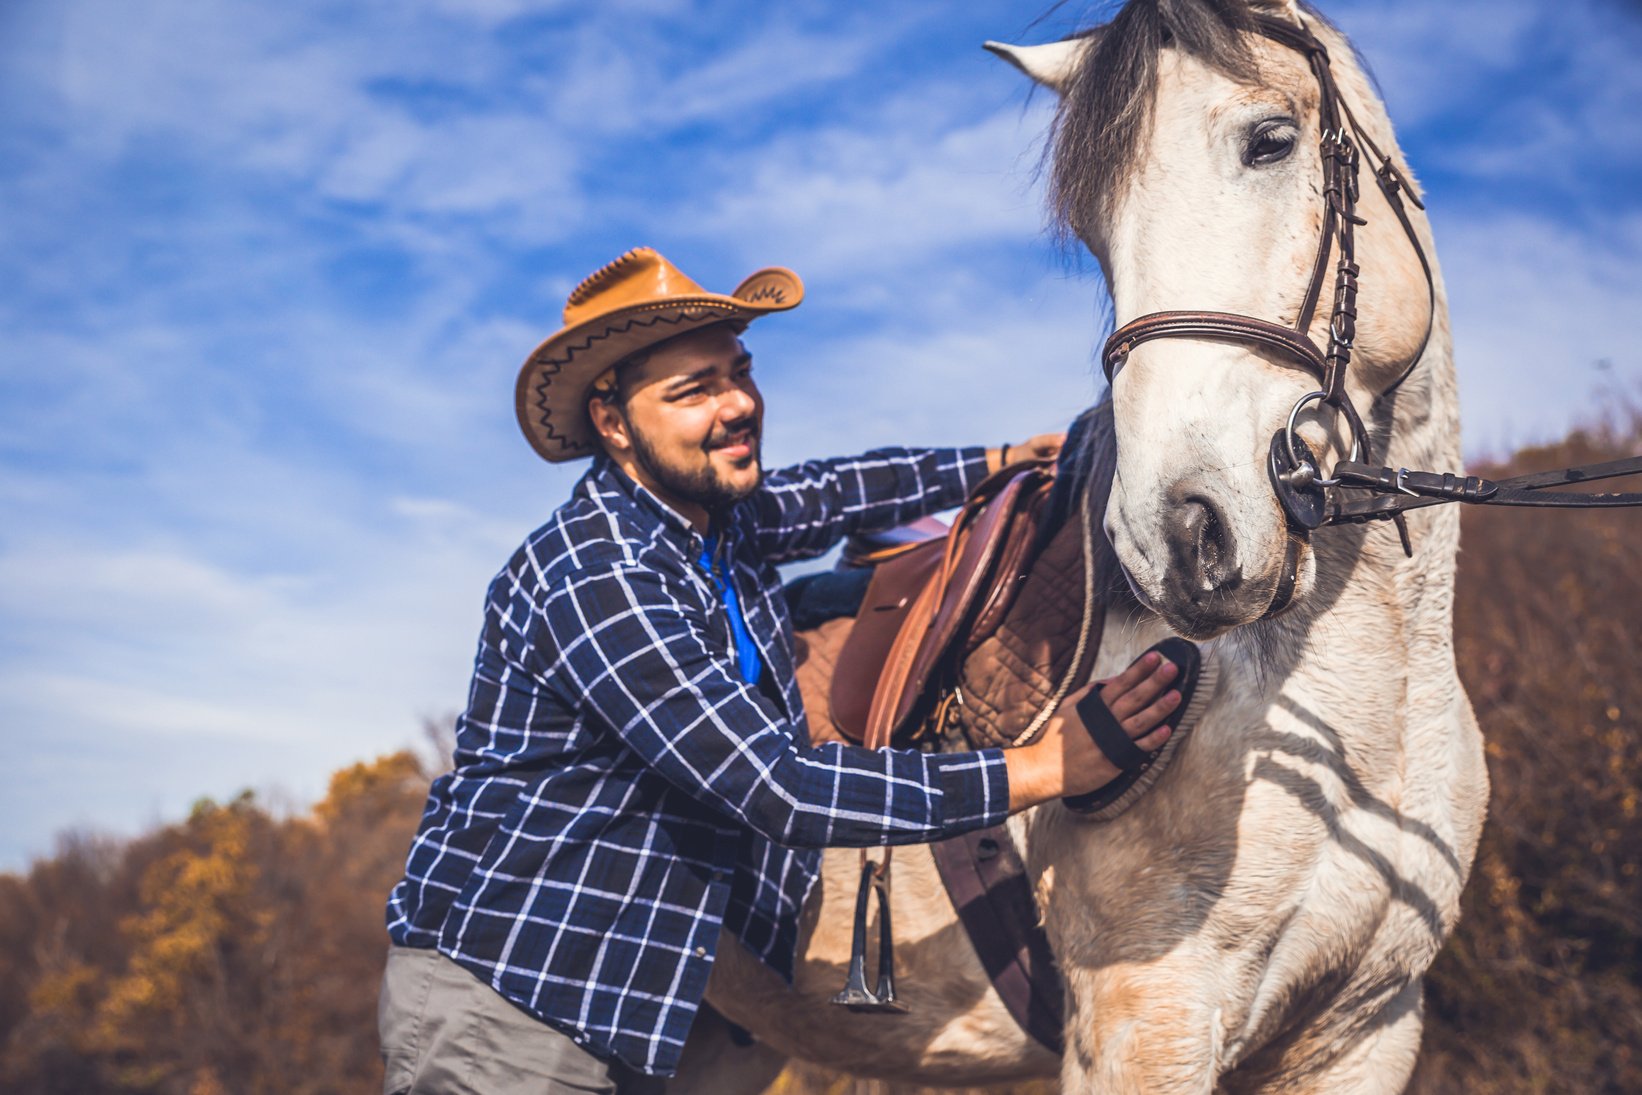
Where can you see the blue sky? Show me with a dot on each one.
(269, 271)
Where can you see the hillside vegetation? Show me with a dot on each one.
(239, 951)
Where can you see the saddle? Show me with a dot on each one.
(959, 636)
(930, 603)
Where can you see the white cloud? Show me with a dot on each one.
(961, 368)
(1428, 56)
(1513, 91)
(299, 671)
(884, 203)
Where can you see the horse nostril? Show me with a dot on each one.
(1204, 524)
(1203, 547)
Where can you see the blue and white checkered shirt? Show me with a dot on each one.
(620, 794)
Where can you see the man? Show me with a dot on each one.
(633, 772)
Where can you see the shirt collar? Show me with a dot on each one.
(606, 478)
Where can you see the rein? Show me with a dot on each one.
(1309, 500)
(1400, 490)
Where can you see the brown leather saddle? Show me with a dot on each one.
(930, 603)
(966, 639)
(931, 600)
(934, 605)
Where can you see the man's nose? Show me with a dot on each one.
(737, 403)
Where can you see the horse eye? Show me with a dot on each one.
(1270, 141)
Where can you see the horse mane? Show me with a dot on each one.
(1108, 105)
(1084, 479)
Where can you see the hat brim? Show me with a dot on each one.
(550, 397)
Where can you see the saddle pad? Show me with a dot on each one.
(815, 657)
(891, 594)
(1013, 673)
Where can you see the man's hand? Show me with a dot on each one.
(1044, 446)
(1066, 761)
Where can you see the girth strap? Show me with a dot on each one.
(987, 881)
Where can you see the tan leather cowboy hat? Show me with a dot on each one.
(637, 301)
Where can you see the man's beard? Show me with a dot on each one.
(701, 486)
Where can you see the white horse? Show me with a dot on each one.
(1262, 919)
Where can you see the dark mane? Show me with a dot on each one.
(1109, 103)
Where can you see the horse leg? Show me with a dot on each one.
(1378, 1061)
(722, 1059)
(1129, 1033)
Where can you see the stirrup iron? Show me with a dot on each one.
(856, 996)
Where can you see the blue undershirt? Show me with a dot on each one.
(747, 656)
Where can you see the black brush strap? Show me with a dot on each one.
(1109, 734)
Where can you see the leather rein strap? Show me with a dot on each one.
(1399, 490)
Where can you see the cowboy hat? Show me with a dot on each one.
(633, 303)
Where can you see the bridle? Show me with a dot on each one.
(1295, 472)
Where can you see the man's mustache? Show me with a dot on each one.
(721, 438)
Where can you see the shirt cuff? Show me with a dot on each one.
(972, 467)
(974, 790)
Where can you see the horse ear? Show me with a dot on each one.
(1052, 64)
(1282, 9)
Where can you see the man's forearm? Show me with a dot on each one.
(1036, 775)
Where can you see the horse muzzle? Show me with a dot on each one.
(1213, 576)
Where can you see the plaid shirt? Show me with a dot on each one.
(621, 795)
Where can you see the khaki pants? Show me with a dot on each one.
(445, 1032)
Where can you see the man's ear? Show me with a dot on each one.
(609, 423)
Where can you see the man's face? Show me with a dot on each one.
(695, 419)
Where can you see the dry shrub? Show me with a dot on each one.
(1541, 988)
(234, 952)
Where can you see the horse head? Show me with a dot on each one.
(1187, 154)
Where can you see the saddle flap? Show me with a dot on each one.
(997, 527)
(1015, 554)
(890, 597)
(1001, 527)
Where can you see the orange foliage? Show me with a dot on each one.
(235, 952)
